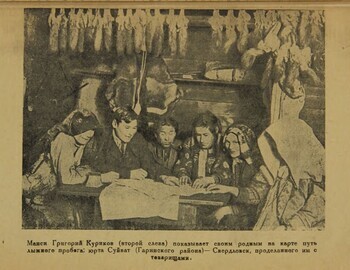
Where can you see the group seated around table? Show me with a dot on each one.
(275, 182)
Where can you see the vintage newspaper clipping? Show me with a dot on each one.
(161, 135)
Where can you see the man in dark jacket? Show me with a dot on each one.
(125, 151)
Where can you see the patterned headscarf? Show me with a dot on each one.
(66, 126)
(246, 139)
(76, 122)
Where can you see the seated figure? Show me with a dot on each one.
(246, 182)
(124, 150)
(62, 165)
(200, 153)
(68, 147)
(165, 150)
(294, 171)
(296, 162)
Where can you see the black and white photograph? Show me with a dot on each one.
(174, 119)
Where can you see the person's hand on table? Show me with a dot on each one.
(138, 174)
(170, 180)
(203, 182)
(109, 177)
(216, 188)
(185, 180)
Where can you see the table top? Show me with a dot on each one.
(209, 199)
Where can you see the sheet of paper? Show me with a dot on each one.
(159, 190)
(138, 199)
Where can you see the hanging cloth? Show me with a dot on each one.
(139, 21)
(107, 25)
(150, 30)
(182, 24)
(120, 33)
(269, 20)
(130, 45)
(98, 37)
(173, 31)
(242, 27)
(217, 25)
(158, 38)
(317, 40)
(54, 24)
(304, 31)
(82, 27)
(90, 29)
(63, 32)
(257, 34)
(304, 162)
(231, 35)
(73, 30)
(154, 32)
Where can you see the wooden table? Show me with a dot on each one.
(189, 208)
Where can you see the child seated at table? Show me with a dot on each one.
(165, 150)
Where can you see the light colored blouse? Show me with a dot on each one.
(66, 155)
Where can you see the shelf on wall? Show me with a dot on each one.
(251, 80)
(182, 71)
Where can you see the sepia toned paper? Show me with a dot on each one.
(329, 247)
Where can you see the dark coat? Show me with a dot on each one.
(164, 159)
(136, 156)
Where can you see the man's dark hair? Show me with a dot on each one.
(208, 120)
(125, 114)
(166, 121)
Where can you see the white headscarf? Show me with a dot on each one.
(293, 141)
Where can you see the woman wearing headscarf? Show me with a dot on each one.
(62, 165)
(246, 181)
(68, 147)
(61, 150)
(295, 160)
